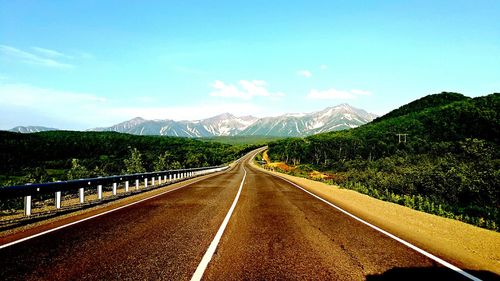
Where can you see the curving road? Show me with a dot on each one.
(276, 232)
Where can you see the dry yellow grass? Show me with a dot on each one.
(466, 246)
(265, 156)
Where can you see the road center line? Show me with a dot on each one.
(200, 270)
(404, 242)
(100, 214)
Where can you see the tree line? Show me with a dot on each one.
(449, 163)
(61, 155)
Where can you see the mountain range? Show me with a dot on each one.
(31, 129)
(335, 118)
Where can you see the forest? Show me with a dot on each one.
(61, 155)
(439, 154)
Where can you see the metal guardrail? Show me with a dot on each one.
(162, 177)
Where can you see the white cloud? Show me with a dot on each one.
(221, 89)
(43, 59)
(304, 73)
(195, 111)
(26, 95)
(50, 53)
(34, 103)
(247, 90)
(361, 92)
(255, 88)
(29, 105)
(336, 94)
(323, 67)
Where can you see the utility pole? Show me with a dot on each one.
(404, 137)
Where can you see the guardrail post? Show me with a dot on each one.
(153, 181)
(81, 191)
(126, 186)
(165, 178)
(170, 177)
(27, 205)
(146, 182)
(136, 184)
(114, 188)
(99, 192)
(159, 180)
(58, 199)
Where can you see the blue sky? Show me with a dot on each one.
(81, 64)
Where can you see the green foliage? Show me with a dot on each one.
(133, 164)
(242, 140)
(162, 162)
(33, 157)
(429, 101)
(38, 175)
(77, 171)
(449, 165)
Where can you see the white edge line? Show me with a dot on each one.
(200, 270)
(404, 242)
(98, 215)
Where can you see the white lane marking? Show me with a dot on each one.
(200, 270)
(98, 215)
(404, 242)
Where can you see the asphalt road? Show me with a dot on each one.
(277, 232)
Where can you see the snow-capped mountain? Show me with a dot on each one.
(227, 124)
(221, 125)
(335, 118)
(31, 129)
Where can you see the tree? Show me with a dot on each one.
(133, 164)
(39, 175)
(77, 171)
(162, 162)
(194, 159)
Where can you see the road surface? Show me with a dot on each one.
(276, 232)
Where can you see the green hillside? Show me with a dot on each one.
(242, 140)
(424, 103)
(49, 156)
(449, 164)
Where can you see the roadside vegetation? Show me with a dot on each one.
(243, 140)
(449, 164)
(63, 155)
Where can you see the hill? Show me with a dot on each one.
(450, 157)
(46, 156)
(429, 101)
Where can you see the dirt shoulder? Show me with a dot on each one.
(464, 245)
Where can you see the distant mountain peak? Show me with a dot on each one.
(222, 116)
(342, 116)
(31, 129)
(138, 119)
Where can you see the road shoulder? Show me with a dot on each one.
(467, 246)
